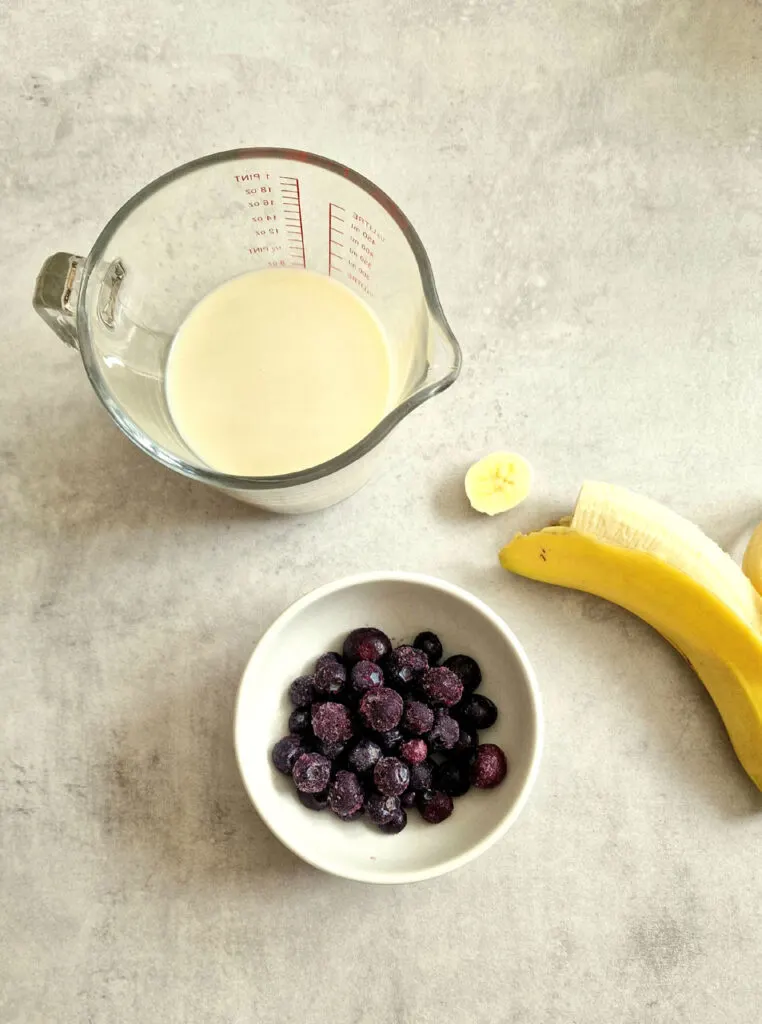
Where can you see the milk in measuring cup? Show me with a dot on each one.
(276, 371)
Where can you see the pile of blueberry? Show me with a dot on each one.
(378, 731)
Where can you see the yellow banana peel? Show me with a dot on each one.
(722, 647)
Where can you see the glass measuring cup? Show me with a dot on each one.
(213, 219)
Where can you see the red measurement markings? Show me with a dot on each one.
(291, 201)
(361, 224)
(254, 185)
(335, 218)
(363, 241)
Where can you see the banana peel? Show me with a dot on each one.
(723, 648)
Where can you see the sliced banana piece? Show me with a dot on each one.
(498, 482)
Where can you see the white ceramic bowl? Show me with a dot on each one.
(402, 604)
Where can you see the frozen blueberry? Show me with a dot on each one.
(368, 784)
(395, 824)
(312, 773)
(345, 794)
(417, 717)
(445, 732)
(414, 751)
(330, 679)
(299, 722)
(363, 756)
(353, 816)
(477, 712)
(326, 659)
(331, 722)
(365, 676)
(302, 691)
(466, 669)
(366, 644)
(435, 806)
(381, 808)
(442, 687)
(421, 776)
(422, 749)
(285, 752)
(453, 778)
(391, 776)
(314, 801)
(490, 767)
(431, 646)
(381, 709)
(390, 741)
(404, 666)
(468, 741)
(332, 751)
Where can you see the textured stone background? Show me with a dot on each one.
(587, 177)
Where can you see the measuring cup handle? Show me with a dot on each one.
(56, 294)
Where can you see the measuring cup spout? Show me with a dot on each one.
(56, 293)
(445, 356)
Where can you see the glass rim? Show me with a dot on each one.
(371, 440)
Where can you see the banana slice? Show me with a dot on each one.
(498, 482)
(752, 559)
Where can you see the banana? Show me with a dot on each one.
(752, 559)
(498, 482)
(618, 516)
(662, 568)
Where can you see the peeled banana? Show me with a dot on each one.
(752, 559)
(498, 482)
(646, 558)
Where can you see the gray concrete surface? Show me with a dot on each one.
(587, 177)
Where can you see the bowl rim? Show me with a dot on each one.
(392, 877)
